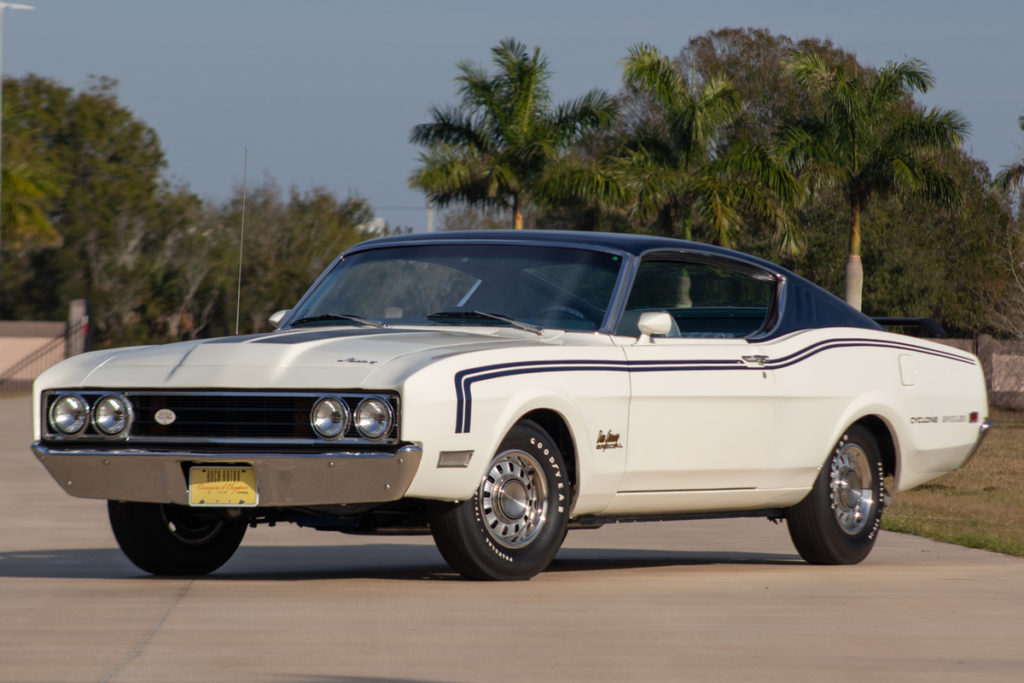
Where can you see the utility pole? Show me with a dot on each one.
(3, 6)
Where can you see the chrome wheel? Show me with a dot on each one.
(513, 499)
(853, 498)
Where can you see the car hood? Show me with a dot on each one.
(306, 358)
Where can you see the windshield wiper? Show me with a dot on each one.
(488, 316)
(342, 317)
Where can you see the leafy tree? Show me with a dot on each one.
(674, 167)
(753, 61)
(28, 188)
(288, 242)
(155, 262)
(1007, 312)
(926, 262)
(868, 139)
(504, 146)
(105, 166)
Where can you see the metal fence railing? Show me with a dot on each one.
(19, 377)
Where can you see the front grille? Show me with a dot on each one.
(213, 416)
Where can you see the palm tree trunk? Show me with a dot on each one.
(664, 221)
(517, 213)
(854, 267)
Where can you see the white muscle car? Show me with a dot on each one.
(498, 388)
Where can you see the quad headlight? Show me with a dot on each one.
(69, 414)
(374, 418)
(111, 415)
(329, 417)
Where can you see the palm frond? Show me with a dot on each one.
(715, 201)
(1010, 178)
(451, 126)
(649, 70)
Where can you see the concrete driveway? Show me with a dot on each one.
(695, 601)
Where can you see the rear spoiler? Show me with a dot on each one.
(931, 326)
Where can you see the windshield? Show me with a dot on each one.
(466, 284)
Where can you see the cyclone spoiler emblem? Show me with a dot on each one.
(165, 416)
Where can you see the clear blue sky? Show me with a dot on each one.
(325, 92)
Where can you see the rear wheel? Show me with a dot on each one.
(172, 539)
(515, 522)
(838, 521)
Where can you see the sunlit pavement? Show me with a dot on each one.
(724, 600)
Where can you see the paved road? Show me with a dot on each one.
(699, 601)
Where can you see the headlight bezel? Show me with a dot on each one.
(343, 425)
(388, 422)
(82, 421)
(125, 420)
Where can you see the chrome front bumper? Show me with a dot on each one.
(282, 480)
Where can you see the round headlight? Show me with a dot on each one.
(69, 414)
(373, 418)
(111, 415)
(329, 417)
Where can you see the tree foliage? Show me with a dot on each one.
(676, 165)
(691, 146)
(155, 262)
(504, 145)
(869, 139)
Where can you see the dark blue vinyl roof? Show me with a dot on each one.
(806, 305)
(626, 242)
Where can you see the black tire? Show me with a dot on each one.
(174, 540)
(515, 522)
(838, 521)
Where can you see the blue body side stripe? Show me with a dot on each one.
(464, 379)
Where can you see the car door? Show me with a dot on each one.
(702, 406)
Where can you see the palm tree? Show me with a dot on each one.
(503, 145)
(25, 191)
(675, 169)
(27, 185)
(1012, 176)
(869, 139)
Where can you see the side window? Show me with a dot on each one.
(706, 300)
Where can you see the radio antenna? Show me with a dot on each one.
(241, 241)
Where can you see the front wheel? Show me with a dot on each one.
(838, 521)
(172, 539)
(515, 522)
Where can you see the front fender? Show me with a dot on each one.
(587, 405)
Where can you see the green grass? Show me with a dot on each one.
(980, 506)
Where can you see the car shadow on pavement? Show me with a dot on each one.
(596, 559)
(389, 561)
(77, 563)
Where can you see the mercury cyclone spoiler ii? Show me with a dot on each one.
(498, 388)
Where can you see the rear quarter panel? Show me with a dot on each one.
(925, 394)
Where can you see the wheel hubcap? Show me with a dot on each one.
(188, 528)
(852, 489)
(513, 499)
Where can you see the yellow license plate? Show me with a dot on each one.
(222, 486)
